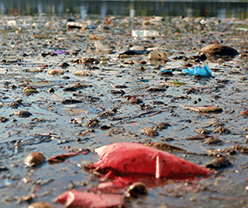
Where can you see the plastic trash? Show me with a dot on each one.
(242, 29)
(134, 158)
(59, 52)
(144, 33)
(74, 198)
(197, 71)
(91, 27)
(143, 80)
(11, 23)
(95, 111)
(5, 182)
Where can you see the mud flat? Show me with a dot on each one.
(69, 85)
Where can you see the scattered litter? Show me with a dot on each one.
(140, 159)
(144, 33)
(199, 72)
(74, 198)
(244, 113)
(175, 83)
(63, 157)
(5, 182)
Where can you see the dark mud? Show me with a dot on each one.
(62, 90)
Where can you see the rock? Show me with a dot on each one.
(70, 101)
(3, 119)
(19, 31)
(157, 57)
(76, 87)
(40, 205)
(157, 89)
(93, 123)
(30, 90)
(55, 72)
(88, 61)
(23, 114)
(136, 189)
(15, 104)
(218, 50)
(34, 158)
(213, 141)
(219, 162)
(64, 65)
(83, 73)
(152, 132)
(101, 48)
(134, 100)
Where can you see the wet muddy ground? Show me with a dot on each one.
(62, 90)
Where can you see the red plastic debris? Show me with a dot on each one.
(126, 158)
(43, 66)
(107, 21)
(73, 199)
(62, 158)
(245, 113)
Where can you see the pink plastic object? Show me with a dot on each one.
(140, 159)
(73, 199)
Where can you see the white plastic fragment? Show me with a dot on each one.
(11, 23)
(144, 33)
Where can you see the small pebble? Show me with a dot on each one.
(34, 158)
(40, 205)
(136, 189)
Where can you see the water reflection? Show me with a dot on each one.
(83, 12)
(142, 8)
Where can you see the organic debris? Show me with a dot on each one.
(204, 109)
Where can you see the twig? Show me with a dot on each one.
(57, 96)
(155, 113)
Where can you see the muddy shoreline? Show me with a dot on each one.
(69, 88)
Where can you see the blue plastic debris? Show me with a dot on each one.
(197, 71)
(143, 80)
(95, 111)
(5, 182)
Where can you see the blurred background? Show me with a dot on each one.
(190, 8)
